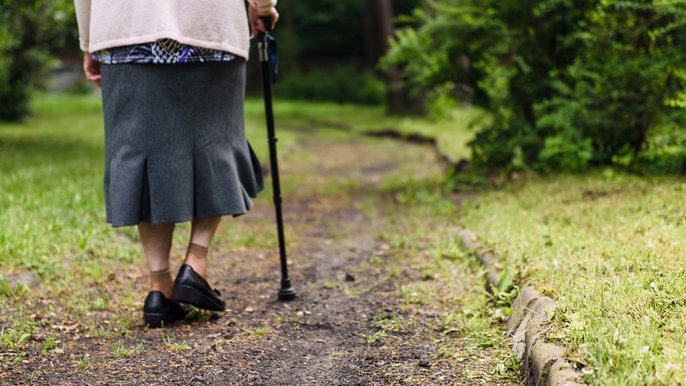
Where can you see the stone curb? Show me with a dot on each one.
(543, 362)
(486, 257)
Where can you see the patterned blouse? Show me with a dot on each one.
(161, 51)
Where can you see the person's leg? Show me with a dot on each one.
(202, 231)
(157, 241)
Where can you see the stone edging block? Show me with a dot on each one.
(543, 362)
(486, 257)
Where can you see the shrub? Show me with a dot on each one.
(29, 30)
(569, 83)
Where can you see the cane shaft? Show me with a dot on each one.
(286, 290)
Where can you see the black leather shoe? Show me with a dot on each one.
(159, 311)
(191, 288)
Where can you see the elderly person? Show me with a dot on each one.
(173, 83)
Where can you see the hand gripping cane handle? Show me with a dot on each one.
(262, 37)
(267, 20)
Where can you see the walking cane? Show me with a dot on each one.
(286, 292)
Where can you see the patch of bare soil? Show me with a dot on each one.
(346, 288)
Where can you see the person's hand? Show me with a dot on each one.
(256, 24)
(91, 68)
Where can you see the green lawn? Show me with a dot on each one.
(611, 250)
(51, 191)
(609, 247)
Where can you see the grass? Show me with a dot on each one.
(376, 337)
(50, 343)
(52, 216)
(446, 299)
(53, 223)
(85, 362)
(52, 207)
(610, 248)
(254, 333)
(48, 203)
(173, 345)
(51, 204)
(16, 336)
(121, 350)
(452, 132)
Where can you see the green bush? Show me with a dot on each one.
(568, 83)
(29, 30)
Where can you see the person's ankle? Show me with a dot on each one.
(199, 264)
(163, 284)
(196, 257)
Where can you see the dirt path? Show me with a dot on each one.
(376, 303)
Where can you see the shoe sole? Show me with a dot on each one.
(192, 296)
(157, 320)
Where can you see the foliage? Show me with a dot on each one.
(328, 50)
(340, 83)
(665, 152)
(28, 31)
(569, 83)
(17, 335)
(505, 293)
(317, 30)
(331, 28)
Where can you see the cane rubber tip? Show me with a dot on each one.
(286, 294)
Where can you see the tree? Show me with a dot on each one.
(29, 30)
(399, 100)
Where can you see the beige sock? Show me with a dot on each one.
(161, 274)
(196, 256)
(161, 281)
(197, 251)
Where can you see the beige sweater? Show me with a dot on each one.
(216, 24)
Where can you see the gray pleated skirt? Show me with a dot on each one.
(175, 147)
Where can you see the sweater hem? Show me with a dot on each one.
(221, 46)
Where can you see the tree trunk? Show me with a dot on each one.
(398, 100)
(373, 49)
